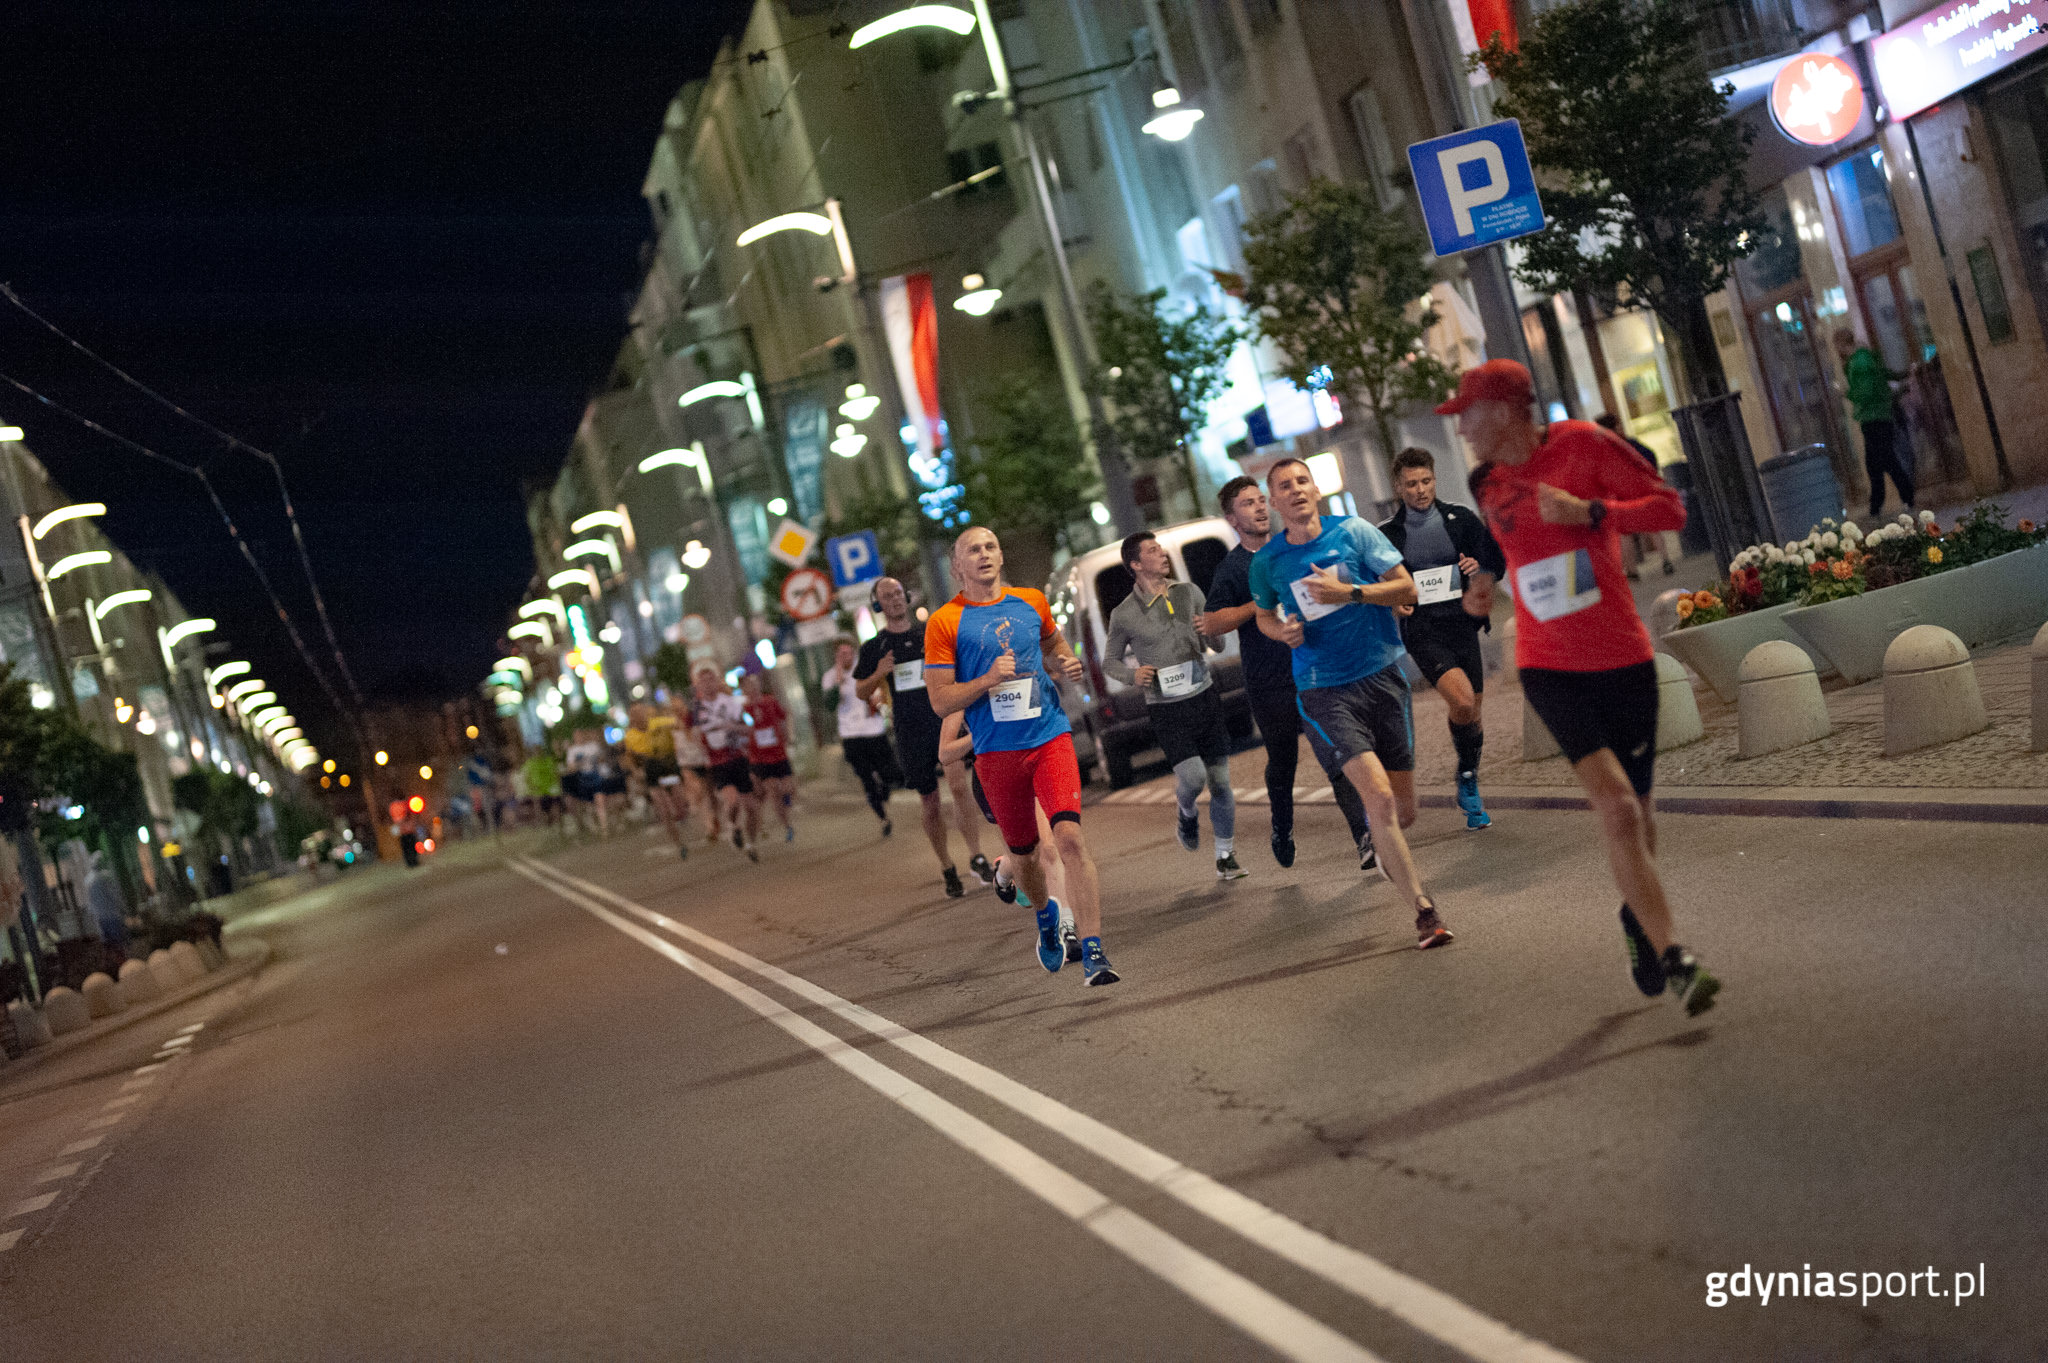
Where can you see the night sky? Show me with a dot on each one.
(393, 244)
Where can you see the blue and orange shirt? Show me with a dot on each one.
(968, 636)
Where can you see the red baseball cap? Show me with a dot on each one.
(1494, 381)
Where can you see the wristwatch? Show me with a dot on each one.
(1357, 595)
(1596, 512)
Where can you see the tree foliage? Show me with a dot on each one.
(1159, 367)
(1025, 471)
(1639, 164)
(22, 734)
(900, 525)
(1337, 280)
(47, 753)
(226, 804)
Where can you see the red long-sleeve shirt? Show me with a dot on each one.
(1573, 608)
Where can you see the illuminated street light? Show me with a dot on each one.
(860, 404)
(955, 21)
(545, 604)
(11, 434)
(169, 639)
(243, 688)
(66, 513)
(817, 224)
(131, 597)
(581, 577)
(1174, 121)
(593, 548)
(382, 757)
(663, 459)
(847, 442)
(236, 668)
(743, 387)
(611, 519)
(284, 737)
(426, 773)
(71, 561)
(695, 555)
(270, 724)
(252, 705)
(533, 629)
(979, 300)
(514, 663)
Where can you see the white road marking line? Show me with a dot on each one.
(108, 1120)
(80, 1147)
(166, 1057)
(7, 1239)
(195, 1027)
(120, 1101)
(144, 1082)
(149, 1069)
(55, 1172)
(30, 1204)
(1429, 1310)
(1286, 1329)
(175, 1042)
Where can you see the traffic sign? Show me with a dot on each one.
(807, 594)
(696, 629)
(792, 542)
(1476, 187)
(855, 558)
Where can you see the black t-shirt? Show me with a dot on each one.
(914, 715)
(1268, 663)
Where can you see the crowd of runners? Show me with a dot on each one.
(1325, 609)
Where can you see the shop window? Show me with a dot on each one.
(1774, 261)
(2018, 115)
(1387, 173)
(1862, 194)
(1298, 154)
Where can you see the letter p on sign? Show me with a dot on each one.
(1463, 199)
(1476, 187)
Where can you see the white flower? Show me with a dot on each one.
(1807, 556)
(1791, 546)
(1851, 530)
(1830, 540)
(1827, 522)
(1926, 518)
(1905, 520)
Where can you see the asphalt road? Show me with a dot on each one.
(609, 1105)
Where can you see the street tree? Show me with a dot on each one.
(1025, 474)
(1339, 283)
(1639, 163)
(1159, 366)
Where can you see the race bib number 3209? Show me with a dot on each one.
(1557, 586)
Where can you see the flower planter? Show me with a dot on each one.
(1716, 651)
(1984, 602)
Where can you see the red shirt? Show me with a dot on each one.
(1573, 608)
(767, 742)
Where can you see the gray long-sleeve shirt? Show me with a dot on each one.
(1160, 633)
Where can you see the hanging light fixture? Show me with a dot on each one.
(1175, 120)
(978, 299)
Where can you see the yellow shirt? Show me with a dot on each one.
(656, 737)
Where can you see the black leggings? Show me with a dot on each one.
(1280, 725)
(873, 760)
(1881, 456)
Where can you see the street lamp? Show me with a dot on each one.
(581, 577)
(860, 404)
(695, 555)
(244, 687)
(383, 757)
(979, 299)
(131, 597)
(249, 705)
(169, 639)
(63, 514)
(1175, 120)
(533, 629)
(514, 663)
(743, 387)
(544, 605)
(72, 561)
(592, 549)
(955, 21)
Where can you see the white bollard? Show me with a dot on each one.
(2040, 655)
(1678, 710)
(169, 979)
(1537, 743)
(187, 958)
(65, 1011)
(1930, 691)
(137, 984)
(102, 996)
(29, 1024)
(1778, 701)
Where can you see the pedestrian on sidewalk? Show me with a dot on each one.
(863, 731)
(991, 653)
(1155, 624)
(1559, 499)
(891, 665)
(1870, 402)
(1268, 671)
(1455, 563)
(1326, 586)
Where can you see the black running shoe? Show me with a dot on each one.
(954, 889)
(1006, 890)
(1642, 957)
(739, 839)
(1430, 930)
(1227, 867)
(1189, 832)
(1073, 942)
(887, 827)
(1368, 859)
(978, 866)
(1689, 980)
(1283, 849)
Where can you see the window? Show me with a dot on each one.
(1180, 45)
(1263, 188)
(1862, 193)
(1382, 168)
(1229, 215)
(971, 161)
(1112, 585)
(1298, 154)
(1202, 558)
(1775, 261)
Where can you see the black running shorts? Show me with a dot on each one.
(1588, 711)
(919, 753)
(734, 774)
(1190, 728)
(1439, 643)
(1367, 715)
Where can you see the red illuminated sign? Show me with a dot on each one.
(1816, 99)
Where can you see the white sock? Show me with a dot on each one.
(1224, 847)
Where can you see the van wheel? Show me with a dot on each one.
(1116, 762)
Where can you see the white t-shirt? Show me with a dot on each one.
(857, 719)
(723, 722)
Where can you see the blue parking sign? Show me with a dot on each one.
(1476, 187)
(855, 558)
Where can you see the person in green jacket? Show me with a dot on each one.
(1870, 402)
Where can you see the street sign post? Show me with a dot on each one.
(855, 558)
(1476, 187)
(807, 594)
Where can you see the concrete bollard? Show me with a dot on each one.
(1537, 743)
(65, 1011)
(29, 1024)
(169, 979)
(1930, 691)
(137, 984)
(102, 996)
(210, 954)
(2040, 654)
(1778, 701)
(1678, 709)
(187, 958)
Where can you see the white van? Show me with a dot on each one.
(1110, 724)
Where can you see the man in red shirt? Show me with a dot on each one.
(768, 758)
(1558, 499)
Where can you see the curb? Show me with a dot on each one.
(239, 967)
(2007, 806)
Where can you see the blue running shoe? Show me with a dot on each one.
(1095, 967)
(1468, 800)
(1052, 952)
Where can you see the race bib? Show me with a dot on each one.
(715, 739)
(671, 781)
(1014, 701)
(764, 738)
(1436, 585)
(1312, 609)
(909, 676)
(1180, 679)
(1559, 585)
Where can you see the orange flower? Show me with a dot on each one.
(1704, 598)
(1934, 553)
(2026, 527)
(1816, 569)
(1685, 608)
(1843, 570)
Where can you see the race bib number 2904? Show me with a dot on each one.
(1557, 586)
(1014, 701)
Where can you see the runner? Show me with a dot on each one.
(1342, 580)
(893, 661)
(1156, 624)
(544, 784)
(1268, 671)
(863, 732)
(1558, 499)
(1002, 639)
(956, 750)
(769, 756)
(649, 752)
(695, 765)
(1455, 563)
(721, 718)
(593, 777)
